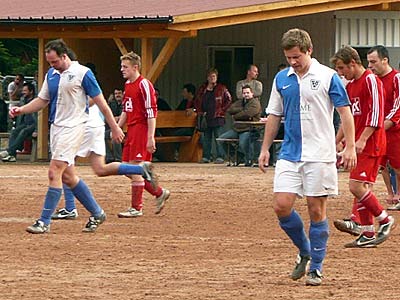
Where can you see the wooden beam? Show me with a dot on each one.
(146, 55)
(120, 45)
(258, 13)
(9, 32)
(43, 127)
(163, 58)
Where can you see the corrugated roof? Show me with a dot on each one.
(94, 9)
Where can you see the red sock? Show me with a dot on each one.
(148, 187)
(374, 207)
(366, 218)
(137, 193)
(355, 216)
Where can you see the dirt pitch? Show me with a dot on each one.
(217, 238)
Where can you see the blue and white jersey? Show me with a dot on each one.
(307, 105)
(96, 117)
(67, 93)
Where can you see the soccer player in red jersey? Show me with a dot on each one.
(139, 113)
(366, 95)
(378, 62)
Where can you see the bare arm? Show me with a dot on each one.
(151, 143)
(117, 134)
(33, 106)
(349, 156)
(271, 130)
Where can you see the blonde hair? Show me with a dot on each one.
(133, 58)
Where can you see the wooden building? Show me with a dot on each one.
(179, 40)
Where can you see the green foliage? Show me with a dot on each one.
(18, 56)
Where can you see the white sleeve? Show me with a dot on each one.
(11, 87)
(275, 104)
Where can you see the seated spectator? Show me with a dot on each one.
(161, 103)
(15, 90)
(187, 103)
(248, 109)
(113, 149)
(188, 92)
(25, 128)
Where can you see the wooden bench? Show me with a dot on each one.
(190, 149)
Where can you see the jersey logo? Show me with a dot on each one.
(70, 77)
(355, 106)
(128, 105)
(363, 174)
(285, 86)
(139, 155)
(315, 84)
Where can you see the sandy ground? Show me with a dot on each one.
(217, 238)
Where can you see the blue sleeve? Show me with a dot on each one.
(337, 92)
(90, 85)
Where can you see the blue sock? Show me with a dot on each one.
(69, 198)
(51, 200)
(84, 195)
(294, 228)
(393, 180)
(319, 233)
(127, 169)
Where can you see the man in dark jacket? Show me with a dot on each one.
(25, 128)
(246, 109)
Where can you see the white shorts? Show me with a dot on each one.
(65, 142)
(93, 141)
(306, 178)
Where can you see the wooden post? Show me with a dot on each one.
(146, 55)
(43, 127)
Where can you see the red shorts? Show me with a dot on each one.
(135, 144)
(367, 168)
(392, 149)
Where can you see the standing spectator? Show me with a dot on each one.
(139, 113)
(66, 88)
(25, 129)
(366, 94)
(305, 95)
(212, 100)
(113, 149)
(250, 80)
(247, 109)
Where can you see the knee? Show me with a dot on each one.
(282, 209)
(68, 179)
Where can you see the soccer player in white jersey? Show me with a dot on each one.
(93, 147)
(305, 94)
(65, 89)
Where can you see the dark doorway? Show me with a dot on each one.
(231, 63)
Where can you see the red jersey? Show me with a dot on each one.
(391, 84)
(367, 104)
(139, 101)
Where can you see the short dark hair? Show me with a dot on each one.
(247, 87)
(71, 54)
(382, 51)
(30, 87)
(58, 45)
(190, 88)
(20, 76)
